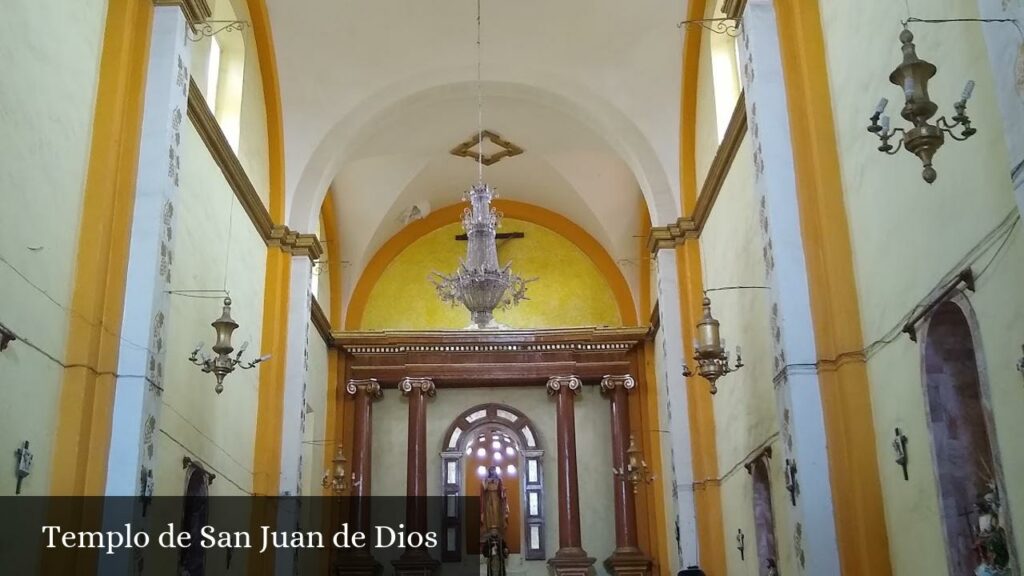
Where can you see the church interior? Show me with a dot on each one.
(667, 287)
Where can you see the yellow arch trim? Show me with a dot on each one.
(272, 103)
(511, 209)
(703, 441)
(333, 252)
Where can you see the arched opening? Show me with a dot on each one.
(195, 515)
(968, 474)
(493, 435)
(764, 517)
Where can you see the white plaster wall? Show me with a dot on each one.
(594, 465)
(316, 414)
(907, 235)
(50, 51)
(218, 430)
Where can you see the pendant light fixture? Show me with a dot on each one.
(480, 284)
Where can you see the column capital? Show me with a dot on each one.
(370, 386)
(425, 385)
(571, 383)
(610, 383)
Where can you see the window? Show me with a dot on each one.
(725, 70)
(213, 74)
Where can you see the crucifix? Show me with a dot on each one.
(791, 484)
(899, 445)
(24, 464)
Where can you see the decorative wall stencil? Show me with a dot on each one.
(182, 79)
(798, 544)
(1019, 71)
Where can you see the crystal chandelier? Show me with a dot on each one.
(480, 284)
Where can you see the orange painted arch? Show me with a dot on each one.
(511, 209)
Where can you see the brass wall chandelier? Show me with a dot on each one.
(713, 360)
(480, 284)
(223, 364)
(635, 469)
(923, 139)
(336, 480)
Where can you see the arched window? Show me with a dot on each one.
(225, 67)
(195, 515)
(493, 435)
(764, 515)
(974, 514)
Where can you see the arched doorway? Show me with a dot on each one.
(764, 515)
(493, 435)
(975, 520)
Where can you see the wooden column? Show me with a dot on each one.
(627, 559)
(416, 561)
(571, 559)
(359, 562)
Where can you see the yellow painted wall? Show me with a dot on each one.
(50, 51)
(593, 437)
(906, 235)
(220, 429)
(570, 290)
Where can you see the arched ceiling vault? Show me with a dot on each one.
(375, 94)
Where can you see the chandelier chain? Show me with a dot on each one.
(479, 99)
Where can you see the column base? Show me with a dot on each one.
(415, 562)
(356, 564)
(628, 562)
(571, 562)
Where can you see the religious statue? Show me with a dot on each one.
(990, 536)
(494, 513)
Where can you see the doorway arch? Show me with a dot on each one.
(504, 422)
(963, 439)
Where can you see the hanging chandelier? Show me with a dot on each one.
(923, 138)
(480, 284)
(223, 364)
(713, 360)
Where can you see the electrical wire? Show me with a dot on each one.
(88, 321)
(1001, 234)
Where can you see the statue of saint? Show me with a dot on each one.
(494, 505)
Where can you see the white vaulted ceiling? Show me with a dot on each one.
(376, 93)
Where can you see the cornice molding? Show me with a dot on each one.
(733, 8)
(197, 12)
(320, 321)
(690, 227)
(274, 235)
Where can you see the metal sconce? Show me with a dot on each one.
(899, 446)
(741, 543)
(635, 471)
(146, 489)
(336, 481)
(792, 486)
(24, 467)
(712, 359)
(6, 337)
(924, 139)
(223, 364)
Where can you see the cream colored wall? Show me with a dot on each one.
(907, 235)
(218, 430)
(570, 290)
(593, 437)
(745, 406)
(50, 51)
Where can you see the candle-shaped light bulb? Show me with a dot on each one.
(968, 90)
(885, 125)
(881, 106)
(739, 351)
